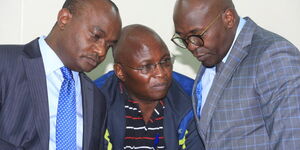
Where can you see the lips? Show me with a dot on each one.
(91, 60)
(201, 55)
(160, 86)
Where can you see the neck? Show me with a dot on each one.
(54, 42)
(147, 108)
(51, 40)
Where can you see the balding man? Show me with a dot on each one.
(246, 94)
(46, 101)
(146, 108)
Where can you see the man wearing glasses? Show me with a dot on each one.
(145, 107)
(246, 94)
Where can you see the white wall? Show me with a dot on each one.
(24, 20)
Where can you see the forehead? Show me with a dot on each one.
(191, 18)
(152, 51)
(101, 15)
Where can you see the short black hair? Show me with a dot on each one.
(73, 5)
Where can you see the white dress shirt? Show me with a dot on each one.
(209, 74)
(54, 77)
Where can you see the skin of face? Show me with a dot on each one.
(84, 38)
(146, 49)
(193, 16)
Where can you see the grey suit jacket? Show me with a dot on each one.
(24, 113)
(254, 101)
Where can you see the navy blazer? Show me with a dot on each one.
(177, 106)
(24, 111)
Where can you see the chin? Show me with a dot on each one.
(159, 96)
(208, 65)
(88, 68)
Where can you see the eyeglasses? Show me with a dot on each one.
(166, 63)
(196, 40)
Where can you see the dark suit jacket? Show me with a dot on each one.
(254, 100)
(177, 105)
(24, 112)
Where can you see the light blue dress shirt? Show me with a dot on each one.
(209, 74)
(54, 77)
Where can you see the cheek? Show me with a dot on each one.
(139, 89)
(138, 84)
(81, 43)
(74, 45)
(221, 40)
(212, 42)
(169, 74)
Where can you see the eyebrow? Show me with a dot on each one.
(98, 29)
(104, 33)
(114, 41)
(150, 60)
(194, 31)
(166, 55)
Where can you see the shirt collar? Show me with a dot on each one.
(50, 59)
(242, 22)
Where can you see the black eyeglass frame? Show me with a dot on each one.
(151, 67)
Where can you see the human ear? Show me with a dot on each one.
(229, 18)
(64, 16)
(119, 72)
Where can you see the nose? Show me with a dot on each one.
(159, 71)
(102, 51)
(191, 47)
(100, 48)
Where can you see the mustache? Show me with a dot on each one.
(94, 56)
(202, 51)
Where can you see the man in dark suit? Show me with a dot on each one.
(246, 94)
(33, 78)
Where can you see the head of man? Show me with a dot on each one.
(143, 63)
(206, 28)
(84, 31)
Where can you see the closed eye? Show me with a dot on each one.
(165, 60)
(95, 37)
(147, 67)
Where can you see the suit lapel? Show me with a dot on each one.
(87, 102)
(225, 72)
(35, 72)
(195, 101)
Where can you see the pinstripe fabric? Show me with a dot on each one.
(254, 101)
(24, 114)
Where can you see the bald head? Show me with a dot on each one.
(75, 5)
(212, 4)
(143, 63)
(134, 38)
(212, 23)
(204, 7)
